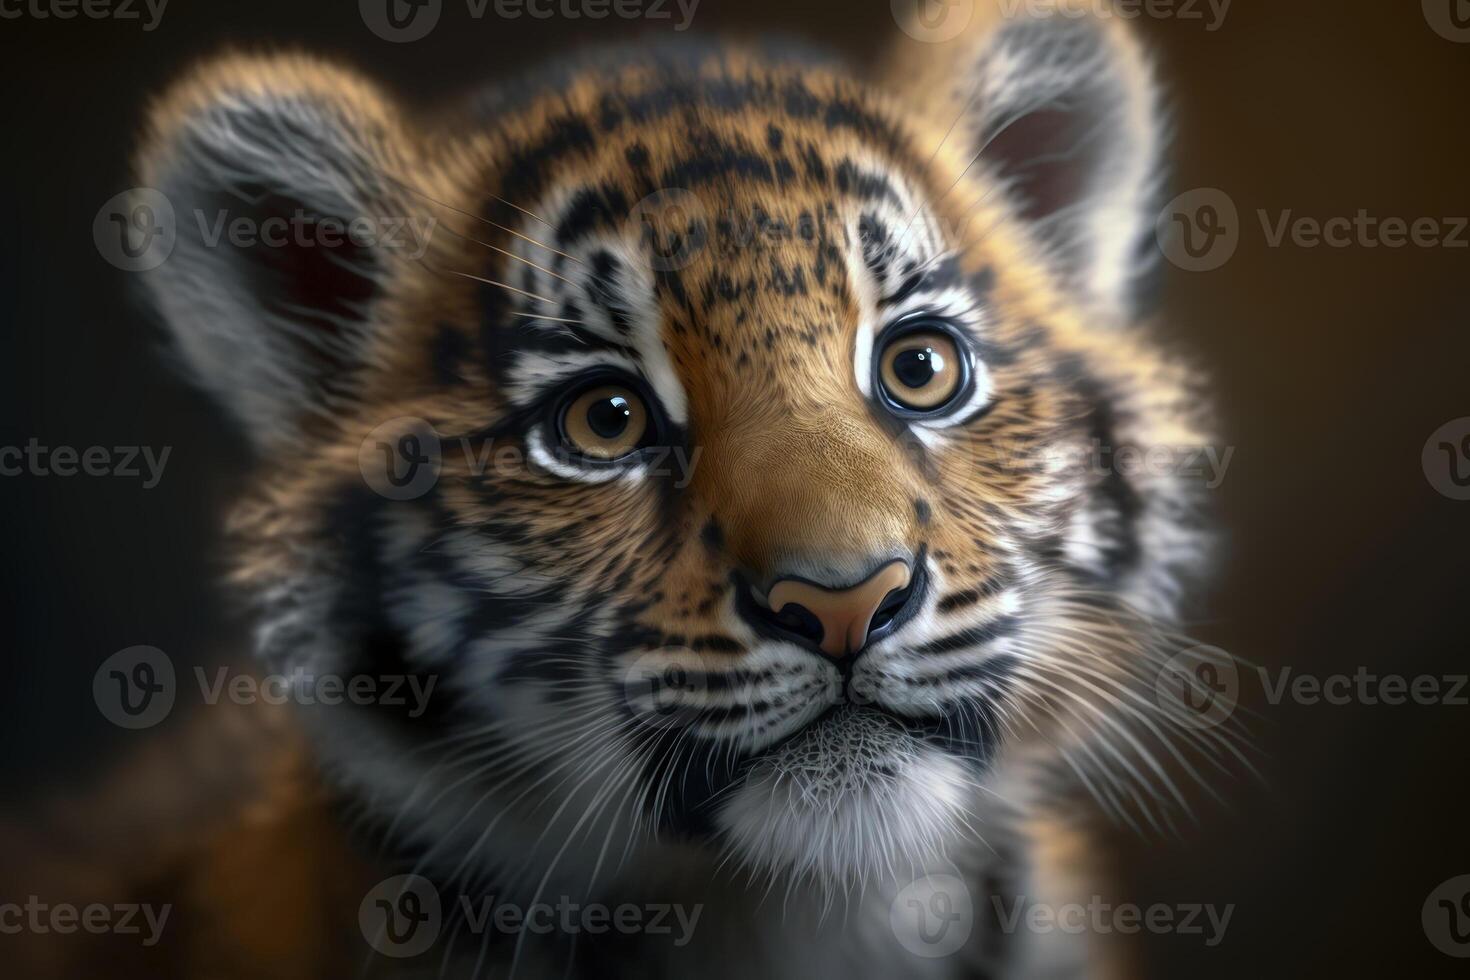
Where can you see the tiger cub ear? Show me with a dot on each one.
(1058, 105)
(282, 182)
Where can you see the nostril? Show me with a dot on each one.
(890, 607)
(799, 620)
(837, 622)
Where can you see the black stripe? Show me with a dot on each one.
(863, 185)
(972, 637)
(968, 597)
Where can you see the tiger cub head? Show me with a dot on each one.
(718, 430)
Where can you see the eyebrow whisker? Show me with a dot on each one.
(491, 282)
(414, 190)
(518, 258)
(539, 316)
(522, 210)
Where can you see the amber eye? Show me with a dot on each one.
(605, 422)
(921, 371)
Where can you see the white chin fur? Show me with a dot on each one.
(850, 799)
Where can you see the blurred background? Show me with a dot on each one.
(1333, 366)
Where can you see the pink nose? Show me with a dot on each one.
(845, 614)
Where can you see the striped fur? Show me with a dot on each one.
(733, 229)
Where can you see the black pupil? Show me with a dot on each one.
(608, 417)
(916, 367)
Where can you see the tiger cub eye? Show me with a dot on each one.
(921, 371)
(605, 422)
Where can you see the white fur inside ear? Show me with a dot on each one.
(1092, 75)
(272, 168)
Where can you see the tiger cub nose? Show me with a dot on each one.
(840, 619)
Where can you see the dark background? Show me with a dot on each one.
(1332, 367)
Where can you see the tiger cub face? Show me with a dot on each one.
(718, 431)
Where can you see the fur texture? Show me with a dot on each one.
(734, 232)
